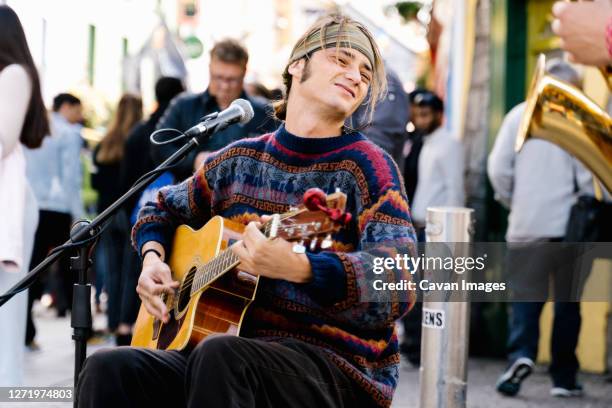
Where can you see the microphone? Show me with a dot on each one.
(239, 111)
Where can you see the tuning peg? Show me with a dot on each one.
(327, 242)
(299, 247)
(313, 244)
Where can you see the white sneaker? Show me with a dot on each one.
(567, 392)
(510, 381)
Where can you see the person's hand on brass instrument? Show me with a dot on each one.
(585, 29)
(272, 258)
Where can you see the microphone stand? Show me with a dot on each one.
(83, 235)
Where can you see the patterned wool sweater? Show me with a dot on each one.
(335, 312)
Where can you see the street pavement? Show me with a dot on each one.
(53, 364)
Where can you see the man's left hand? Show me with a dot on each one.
(272, 258)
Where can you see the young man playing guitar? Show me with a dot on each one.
(313, 336)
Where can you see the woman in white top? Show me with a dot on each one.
(23, 122)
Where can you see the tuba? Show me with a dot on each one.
(561, 114)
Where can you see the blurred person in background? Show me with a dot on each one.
(23, 122)
(585, 29)
(412, 150)
(54, 172)
(228, 64)
(261, 93)
(440, 163)
(538, 185)
(388, 126)
(410, 346)
(137, 160)
(107, 157)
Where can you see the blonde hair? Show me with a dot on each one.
(129, 112)
(321, 28)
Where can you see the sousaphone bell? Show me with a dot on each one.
(561, 114)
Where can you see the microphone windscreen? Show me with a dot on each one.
(246, 108)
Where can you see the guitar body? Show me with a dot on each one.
(217, 308)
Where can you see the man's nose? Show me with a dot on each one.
(353, 74)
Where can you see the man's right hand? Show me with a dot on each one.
(154, 280)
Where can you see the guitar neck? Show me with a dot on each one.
(220, 264)
(210, 271)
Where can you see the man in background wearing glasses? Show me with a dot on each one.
(228, 63)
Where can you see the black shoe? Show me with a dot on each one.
(510, 381)
(123, 339)
(412, 354)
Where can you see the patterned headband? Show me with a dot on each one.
(349, 36)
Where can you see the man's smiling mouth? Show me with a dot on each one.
(346, 89)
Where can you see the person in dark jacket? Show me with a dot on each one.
(138, 158)
(413, 150)
(228, 62)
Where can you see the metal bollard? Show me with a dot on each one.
(444, 341)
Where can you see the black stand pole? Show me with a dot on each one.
(81, 234)
(80, 319)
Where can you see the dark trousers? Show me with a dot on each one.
(222, 371)
(120, 267)
(525, 334)
(52, 231)
(531, 268)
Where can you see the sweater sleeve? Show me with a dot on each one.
(186, 203)
(343, 282)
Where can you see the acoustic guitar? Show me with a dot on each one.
(214, 295)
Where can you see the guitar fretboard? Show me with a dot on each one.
(220, 264)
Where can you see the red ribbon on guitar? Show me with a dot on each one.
(314, 199)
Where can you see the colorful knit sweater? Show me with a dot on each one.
(335, 311)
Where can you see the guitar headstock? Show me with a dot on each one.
(312, 223)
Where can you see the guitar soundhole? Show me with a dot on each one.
(185, 290)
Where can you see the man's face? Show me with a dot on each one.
(72, 113)
(225, 81)
(336, 80)
(425, 119)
